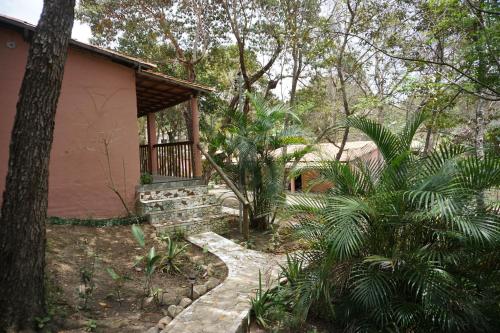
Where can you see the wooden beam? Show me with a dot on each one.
(152, 141)
(195, 130)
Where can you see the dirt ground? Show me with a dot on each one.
(75, 253)
(277, 240)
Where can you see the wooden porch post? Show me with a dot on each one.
(195, 127)
(292, 184)
(153, 160)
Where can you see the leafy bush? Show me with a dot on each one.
(401, 243)
(252, 140)
(146, 178)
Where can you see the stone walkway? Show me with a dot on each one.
(225, 308)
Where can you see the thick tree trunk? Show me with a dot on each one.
(24, 208)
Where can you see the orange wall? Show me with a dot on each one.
(97, 104)
(309, 178)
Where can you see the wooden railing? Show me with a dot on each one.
(241, 198)
(175, 159)
(144, 159)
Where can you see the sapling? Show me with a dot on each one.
(87, 270)
(151, 259)
(119, 280)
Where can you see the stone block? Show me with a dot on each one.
(199, 291)
(169, 298)
(185, 302)
(153, 329)
(164, 322)
(212, 283)
(174, 310)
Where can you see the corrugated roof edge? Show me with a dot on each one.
(128, 60)
(180, 82)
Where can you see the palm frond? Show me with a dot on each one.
(388, 143)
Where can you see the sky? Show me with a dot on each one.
(30, 10)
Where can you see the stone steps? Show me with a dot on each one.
(181, 204)
(184, 214)
(185, 202)
(216, 222)
(170, 193)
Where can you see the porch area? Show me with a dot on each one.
(170, 161)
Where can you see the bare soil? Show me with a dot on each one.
(74, 250)
(277, 240)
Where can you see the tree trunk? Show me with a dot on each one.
(24, 208)
(479, 139)
(479, 143)
(347, 112)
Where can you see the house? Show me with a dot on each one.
(306, 166)
(96, 138)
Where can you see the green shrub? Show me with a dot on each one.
(405, 243)
(146, 178)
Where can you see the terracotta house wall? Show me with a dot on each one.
(310, 176)
(97, 105)
(308, 179)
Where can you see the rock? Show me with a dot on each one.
(210, 269)
(153, 329)
(148, 300)
(212, 283)
(199, 290)
(169, 298)
(185, 302)
(172, 310)
(163, 322)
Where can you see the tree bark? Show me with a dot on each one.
(340, 67)
(24, 208)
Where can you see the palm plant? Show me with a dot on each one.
(403, 242)
(169, 260)
(253, 139)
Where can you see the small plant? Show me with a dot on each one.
(90, 325)
(172, 251)
(146, 178)
(249, 244)
(156, 293)
(261, 305)
(87, 270)
(275, 241)
(179, 234)
(41, 322)
(292, 270)
(151, 259)
(119, 280)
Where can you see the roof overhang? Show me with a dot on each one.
(156, 91)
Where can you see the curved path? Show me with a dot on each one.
(225, 308)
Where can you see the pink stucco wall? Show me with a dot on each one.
(97, 105)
